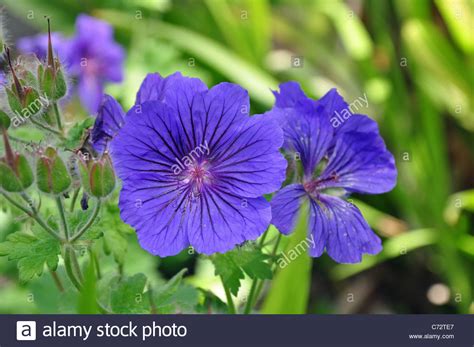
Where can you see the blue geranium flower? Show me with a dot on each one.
(339, 156)
(195, 166)
(110, 119)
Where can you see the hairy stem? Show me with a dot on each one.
(33, 214)
(58, 116)
(89, 223)
(62, 214)
(57, 281)
(68, 264)
(47, 128)
(74, 199)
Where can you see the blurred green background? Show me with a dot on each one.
(413, 60)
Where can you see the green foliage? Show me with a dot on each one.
(32, 252)
(289, 292)
(233, 265)
(75, 136)
(134, 294)
(128, 294)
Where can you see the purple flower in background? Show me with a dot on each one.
(110, 119)
(91, 56)
(337, 158)
(38, 45)
(195, 166)
(95, 58)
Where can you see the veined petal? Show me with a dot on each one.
(338, 227)
(220, 220)
(150, 141)
(359, 163)
(249, 163)
(285, 207)
(155, 207)
(308, 135)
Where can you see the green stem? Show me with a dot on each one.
(76, 266)
(89, 223)
(250, 298)
(230, 303)
(68, 264)
(58, 116)
(74, 199)
(273, 254)
(57, 281)
(95, 260)
(33, 214)
(47, 128)
(59, 203)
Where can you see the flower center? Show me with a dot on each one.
(314, 186)
(196, 177)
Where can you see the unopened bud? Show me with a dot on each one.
(51, 173)
(15, 173)
(97, 175)
(51, 77)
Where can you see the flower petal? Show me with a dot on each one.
(308, 135)
(338, 226)
(290, 94)
(285, 207)
(360, 163)
(221, 220)
(154, 207)
(90, 91)
(249, 162)
(109, 121)
(148, 142)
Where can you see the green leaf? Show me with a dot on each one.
(232, 267)
(289, 292)
(32, 251)
(162, 297)
(127, 295)
(78, 219)
(115, 240)
(76, 134)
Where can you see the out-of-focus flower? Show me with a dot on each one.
(91, 56)
(95, 58)
(38, 45)
(195, 167)
(337, 158)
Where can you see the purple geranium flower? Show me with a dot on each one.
(95, 58)
(195, 166)
(38, 45)
(339, 156)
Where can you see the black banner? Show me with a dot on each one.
(226, 330)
